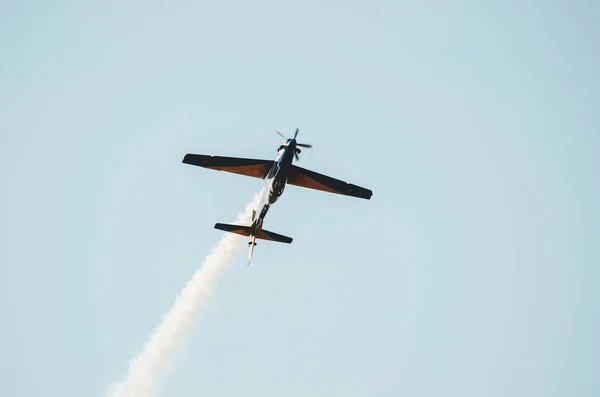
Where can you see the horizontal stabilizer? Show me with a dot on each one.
(237, 229)
(267, 235)
(247, 231)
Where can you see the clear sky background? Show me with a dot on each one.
(473, 270)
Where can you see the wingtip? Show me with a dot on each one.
(365, 194)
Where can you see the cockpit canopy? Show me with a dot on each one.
(275, 170)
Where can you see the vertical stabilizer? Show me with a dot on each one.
(251, 244)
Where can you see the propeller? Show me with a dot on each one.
(297, 150)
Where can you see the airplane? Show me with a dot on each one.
(276, 173)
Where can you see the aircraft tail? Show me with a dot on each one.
(237, 229)
(248, 231)
(254, 234)
(268, 235)
(251, 245)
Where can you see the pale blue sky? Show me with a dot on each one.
(473, 270)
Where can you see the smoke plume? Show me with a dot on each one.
(144, 371)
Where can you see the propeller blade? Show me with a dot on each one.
(296, 155)
(304, 145)
(281, 135)
(296, 134)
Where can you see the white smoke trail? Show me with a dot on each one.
(144, 371)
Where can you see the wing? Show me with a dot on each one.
(302, 177)
(249, 167)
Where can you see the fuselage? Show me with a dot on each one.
(275, 181)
